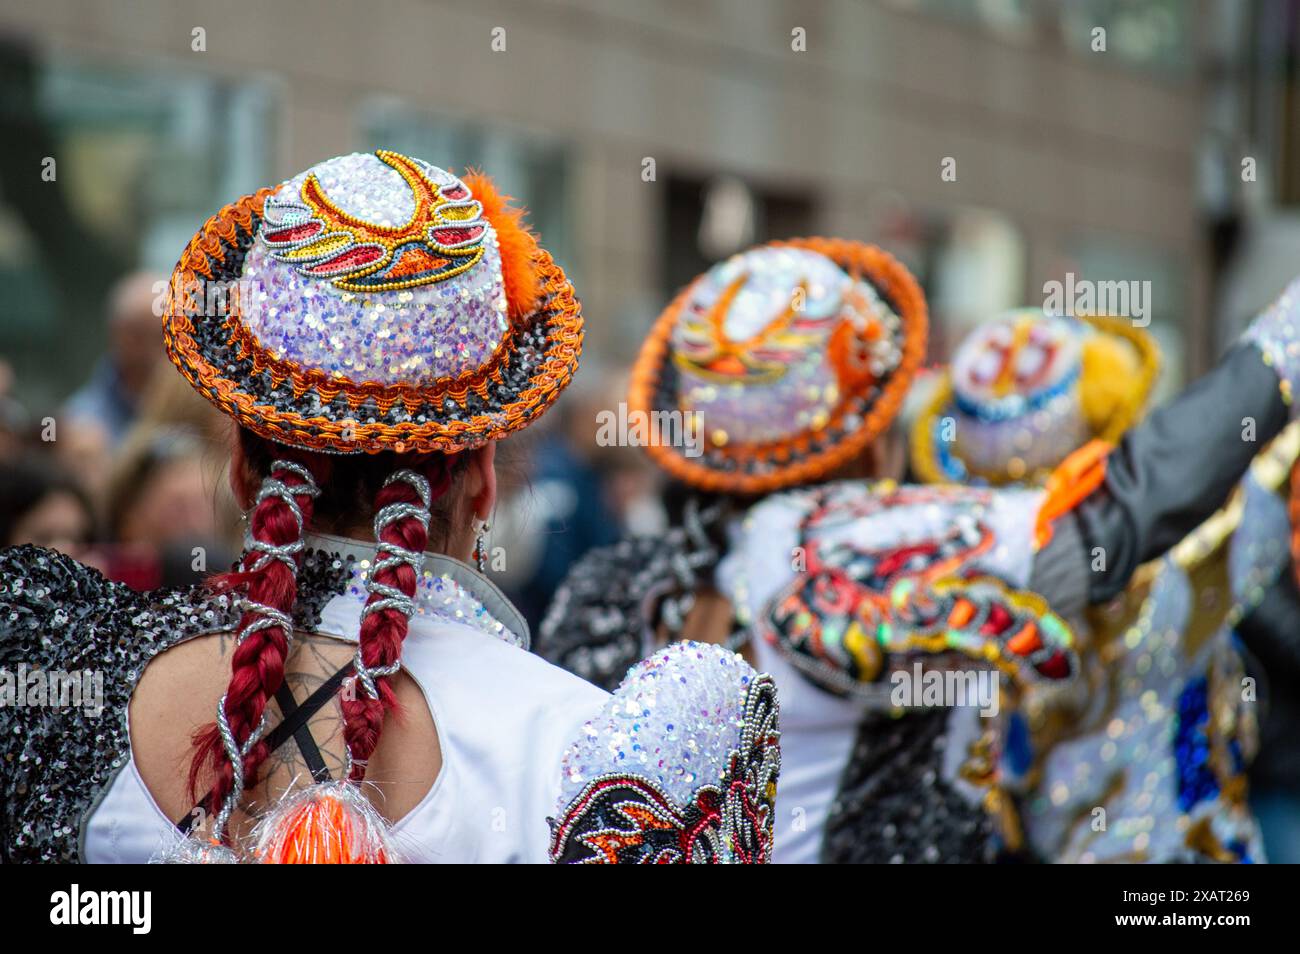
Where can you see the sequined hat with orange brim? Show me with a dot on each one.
(374, 303)
(782, 364)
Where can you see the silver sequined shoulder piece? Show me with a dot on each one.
(439, 595)
(600, 620)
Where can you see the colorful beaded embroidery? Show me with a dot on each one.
(856, 612)
(442, 238)
(692, 766)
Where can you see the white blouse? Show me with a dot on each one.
(504, 717)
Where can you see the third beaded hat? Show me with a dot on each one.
(1028, 389)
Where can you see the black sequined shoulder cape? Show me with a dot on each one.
(59, 616)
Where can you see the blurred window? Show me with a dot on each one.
(1010, 18)
(1112, 259)
(1148, 34)
(708, 218)
(978, 271)
(531, 167)
(142, 156)
(1152, 34)
(971, 262)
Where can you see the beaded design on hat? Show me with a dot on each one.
(788, 359)
(679, 767)
(368, 310)
(1025, 391)
(441, 236)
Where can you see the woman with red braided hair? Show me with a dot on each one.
(354, 692)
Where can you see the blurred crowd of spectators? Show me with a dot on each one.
(128, 475)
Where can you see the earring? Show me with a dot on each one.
(480, 547)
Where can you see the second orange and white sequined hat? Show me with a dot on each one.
(790, 358)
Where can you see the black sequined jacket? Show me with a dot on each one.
(59, 616)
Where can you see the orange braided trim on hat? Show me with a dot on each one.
(319, 433)
(901, 291)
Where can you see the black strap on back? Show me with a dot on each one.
(302, 734)
(293, 724)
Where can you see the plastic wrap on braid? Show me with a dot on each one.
(597, 625)
(325, 824)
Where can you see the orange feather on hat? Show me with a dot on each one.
(516, 240)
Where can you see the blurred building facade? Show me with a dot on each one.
(649, 138)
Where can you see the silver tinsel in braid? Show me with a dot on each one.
(287, 553)
(268, 617)
(389, 557)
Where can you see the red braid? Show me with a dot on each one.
(257, 667)
(383, 630)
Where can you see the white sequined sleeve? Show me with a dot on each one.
(679, 766)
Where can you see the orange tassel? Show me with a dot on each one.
(517, 243)
(331, 823)
(1074, 479)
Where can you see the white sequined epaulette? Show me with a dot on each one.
(679, 767)
(675, 720)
